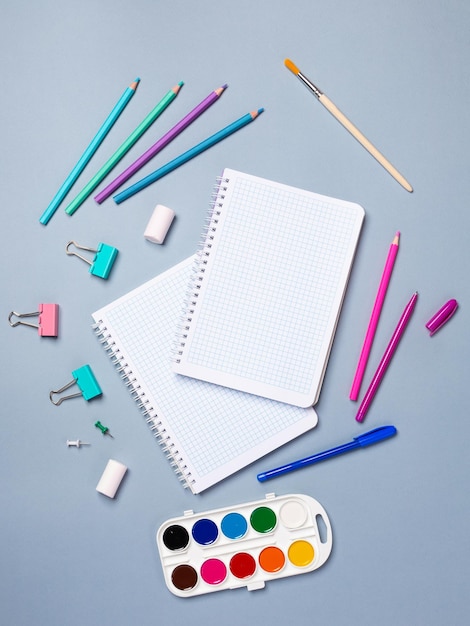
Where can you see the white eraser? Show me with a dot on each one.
(159, 224)
(111, 478)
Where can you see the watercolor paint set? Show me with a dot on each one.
(245, 545)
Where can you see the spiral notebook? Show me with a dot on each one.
(267, 289)
(207, 431)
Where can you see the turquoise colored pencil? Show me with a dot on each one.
(123, 149)
(89, 152)
(186, 156)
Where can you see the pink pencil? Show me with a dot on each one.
(160, 144)
(374, 318)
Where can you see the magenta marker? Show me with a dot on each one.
(387, 357)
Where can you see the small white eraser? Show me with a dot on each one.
(111, 478)
(159, 224)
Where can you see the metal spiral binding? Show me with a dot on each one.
(200, 264)
(143, 403)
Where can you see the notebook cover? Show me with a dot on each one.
(267, 289)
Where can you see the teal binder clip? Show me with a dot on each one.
(87, 383)
(103, 260)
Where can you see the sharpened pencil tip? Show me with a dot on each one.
(254, 114)
(134, 84)
(220, 90)
(291, 66)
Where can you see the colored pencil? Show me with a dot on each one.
(186, 156)
(160, 144)
(374, 318)
(387, 357)
(124, 148)
(349, 126)
(89, 152)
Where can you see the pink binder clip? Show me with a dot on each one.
(48, 320)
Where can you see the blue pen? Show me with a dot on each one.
(367, 439)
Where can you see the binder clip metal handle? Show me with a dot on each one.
(87, 383)
(48, 321)
(104, 257)
(58, 391)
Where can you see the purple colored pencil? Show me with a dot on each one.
(387, 357)
(160, 144)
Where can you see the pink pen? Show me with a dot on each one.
(387, 357)
(374, 318)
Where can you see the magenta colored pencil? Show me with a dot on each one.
(374, 318)
(160, 144)
(387, 357)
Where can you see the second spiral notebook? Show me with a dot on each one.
(267, 289)
(208, 432)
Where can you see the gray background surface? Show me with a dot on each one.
(400, 510)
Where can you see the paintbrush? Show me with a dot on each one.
(348, 125)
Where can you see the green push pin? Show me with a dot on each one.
(104, 429)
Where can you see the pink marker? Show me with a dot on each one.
(374, 319)
(387, 357)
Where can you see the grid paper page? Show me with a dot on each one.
(270, 295)
(209, 431)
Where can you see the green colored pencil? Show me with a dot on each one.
(123, 149)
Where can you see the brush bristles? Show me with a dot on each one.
(291, 66)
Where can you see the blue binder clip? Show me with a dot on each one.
(87, 383)
(103, 260)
